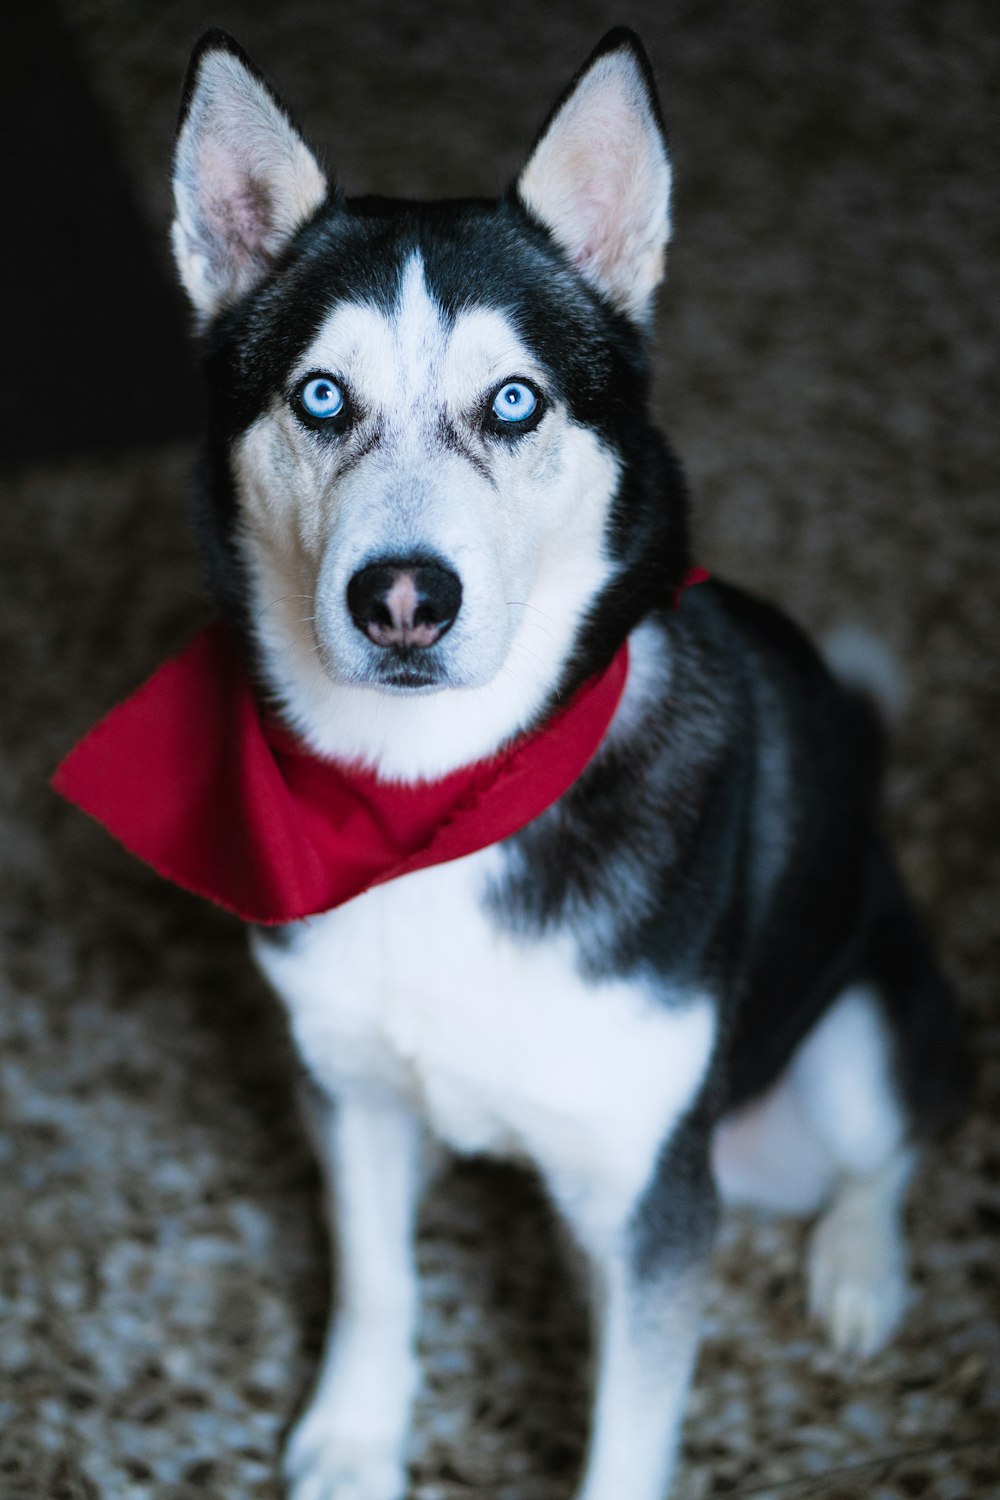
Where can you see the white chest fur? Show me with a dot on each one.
(498, 1042)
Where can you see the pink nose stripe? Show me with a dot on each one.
(401, 601)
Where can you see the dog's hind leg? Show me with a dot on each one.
(842, 1078)
(350, 1442)
(769, 1155)
(857, 1258)
(883, 1069)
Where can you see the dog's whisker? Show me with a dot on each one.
(533, 623)
(283, 599)
(523, 604)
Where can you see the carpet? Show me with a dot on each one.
(828, 372)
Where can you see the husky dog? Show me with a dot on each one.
(434, 506)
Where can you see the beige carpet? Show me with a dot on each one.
(829, 346)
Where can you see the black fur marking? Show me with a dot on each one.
(284, 936)
(365, 442)
(458, 443)
(674, 1221)
(933, 1065)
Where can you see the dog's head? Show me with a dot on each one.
(433, 479)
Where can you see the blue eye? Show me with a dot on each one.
(514, 402)
(321, 397)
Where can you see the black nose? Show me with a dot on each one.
(404, 602)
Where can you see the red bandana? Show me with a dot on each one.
(190, 775)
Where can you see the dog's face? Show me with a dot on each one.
(428, 413)
(417, 479)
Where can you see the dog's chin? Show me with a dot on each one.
(403, 672)
(409, 680)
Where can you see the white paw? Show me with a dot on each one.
(324, 1464)
(350, 1443)
(347, 1451)
(857, 1277)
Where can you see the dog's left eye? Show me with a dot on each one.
(515, 402)
(320, 398)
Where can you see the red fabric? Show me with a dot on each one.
(691, 577)
(191, 776)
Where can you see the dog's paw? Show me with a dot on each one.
(350, 1442)
(856, 1271)
(323, 1465)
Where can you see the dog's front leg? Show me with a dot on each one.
(646, 1279)
(350, 1442)
(647, 1337)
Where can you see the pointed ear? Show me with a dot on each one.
(244, 179)
(599, 176)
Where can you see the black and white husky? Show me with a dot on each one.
(435, 505)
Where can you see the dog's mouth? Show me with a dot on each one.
(406, 671)
(409, 682)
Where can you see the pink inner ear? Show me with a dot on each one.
(238, 210)
(597, 210)
(603, 211)
(250, 218)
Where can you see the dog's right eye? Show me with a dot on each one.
(320, 398)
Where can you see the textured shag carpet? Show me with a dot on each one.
(828, 371)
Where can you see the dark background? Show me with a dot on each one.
(828, 371)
